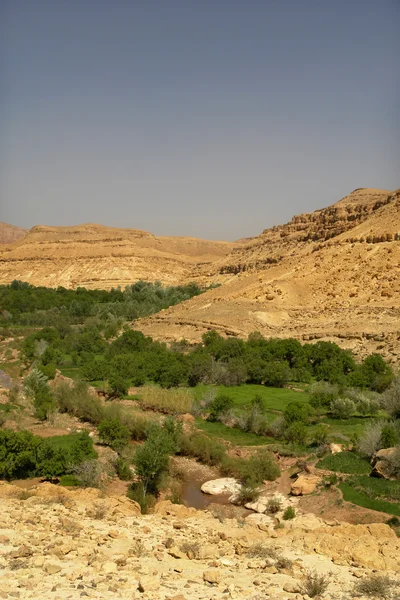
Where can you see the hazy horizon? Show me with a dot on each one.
(209, 120)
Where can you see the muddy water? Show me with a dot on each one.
(193, 496)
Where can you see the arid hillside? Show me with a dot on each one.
(332, 274)
(10, 233)
(95, 256)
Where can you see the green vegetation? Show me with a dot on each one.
(350, 494)
(23, 454)
(231, 434)
(345, 462)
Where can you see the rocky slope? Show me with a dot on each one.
(10, 233)
(95, 256)
(332, 275)
(62, 544)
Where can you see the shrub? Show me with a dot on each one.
(113, 433)
(248, 493)
(220, 407)
(391, 399)
(203, 448)
(118, 385)
(289, 513)
(122, 469)
(377, 586)
(389, 435)
(274, 505)
(260, 550)
(342, 408)
(297, 412)
(44, 402)
(151, 460)
(88, 473)
(370, 439)
(137, 493)
(320, 436)
(261, 466)
(315, 584)
(322, 394)
(48, 370)
(296, 433)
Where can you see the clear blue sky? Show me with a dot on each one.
(194, 117)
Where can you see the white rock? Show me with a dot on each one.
(258, 519)
(225, 485)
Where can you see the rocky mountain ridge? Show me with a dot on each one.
(10, 233)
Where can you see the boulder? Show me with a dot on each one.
(381, 463)
(259, 519)
(212, 576)
(335, 448)
(304, 484)
(225, 485)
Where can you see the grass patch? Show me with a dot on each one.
(231, 434)
(275, 399)
(350, 494)
(376, 487)
(174, 400)
(69, 481)
(345, 462)
(64, 442)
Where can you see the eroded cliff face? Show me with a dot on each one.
(293, 282)
(95, 256)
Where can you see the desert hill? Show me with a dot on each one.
(96, 256)
(332, 274)
(10, 233)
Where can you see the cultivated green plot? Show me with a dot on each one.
(275, 399)
(233, 435)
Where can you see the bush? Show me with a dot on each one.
(389, 435)
(122, 469)
(377, 586)
(261, 466)
(151, 460)
(391, 399)
(118, 385)
(274, 505)
(320, 436)
(297, 412)
(322, 394)
(113, 433)
(48, 370)
(248, 493)
(203, 448)
(296, 433)
(394, 461)
(370, 439)
(342, 408)
(137, 493)
(289, 513)
(315, 584)
(89, 473)
(220, 407)
(44, 402)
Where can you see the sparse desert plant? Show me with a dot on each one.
(247, 493)
(283, 563)
(315, 584)
(98, 511)
(391, 399)
(261, 550)
(274, 505)
(89, 473)
(376, 586)
(190, 548)
(137, 549)
(289, 513)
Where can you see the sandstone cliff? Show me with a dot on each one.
(95, 256)
(332, 274)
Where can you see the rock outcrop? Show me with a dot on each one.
(57, 544)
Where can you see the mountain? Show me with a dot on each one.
(96, 256)
(10, 233)
(332, 274)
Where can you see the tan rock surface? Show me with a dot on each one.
(54, 549)
(10, 233)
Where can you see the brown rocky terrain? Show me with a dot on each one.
(10, 233)
(95, 256)
(61, 544)
(332, 274)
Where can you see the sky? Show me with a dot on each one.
(207, 118)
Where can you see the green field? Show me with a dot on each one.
(275, 399)
(345, 462)
(230, 434)
(350, 494)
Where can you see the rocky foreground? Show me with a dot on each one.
(60, 544)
